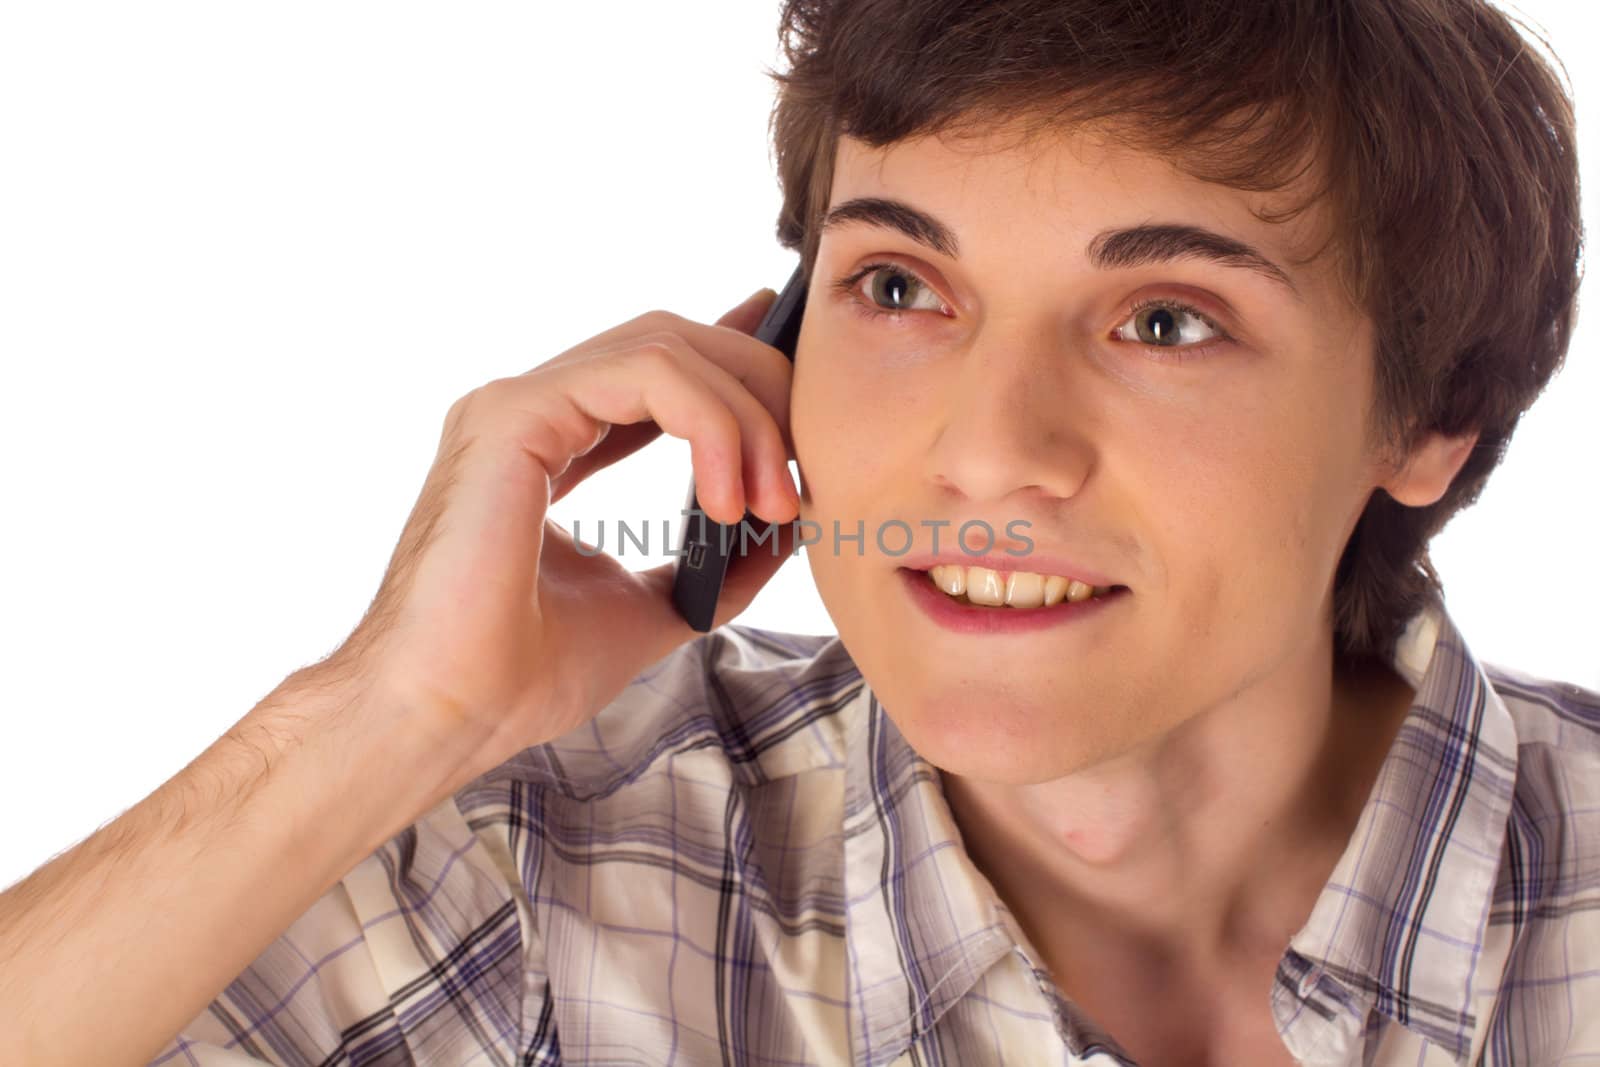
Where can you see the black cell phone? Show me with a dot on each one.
(706, 546)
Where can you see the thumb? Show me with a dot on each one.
(746, 316)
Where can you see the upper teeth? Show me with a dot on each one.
(1017, 589)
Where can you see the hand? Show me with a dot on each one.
(489, 619)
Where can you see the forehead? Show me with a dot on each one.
(1005, 193)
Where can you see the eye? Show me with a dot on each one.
(1170, 324)
(891, 290)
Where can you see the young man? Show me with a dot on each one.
(1201, 773)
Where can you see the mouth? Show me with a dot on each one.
(1016, 614)
(1010, 590)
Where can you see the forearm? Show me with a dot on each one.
(109, 950)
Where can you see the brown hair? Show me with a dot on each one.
(1446, 150)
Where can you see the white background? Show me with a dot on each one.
(249, 254)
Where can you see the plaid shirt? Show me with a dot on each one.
(741, 861)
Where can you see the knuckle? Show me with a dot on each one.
(662, 319)
(659, 350)
(484, 395)
(659, 320)
(458, 410)
(478, 404)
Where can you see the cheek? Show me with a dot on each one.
(851, 421)
(1249, 519)
(821, 422)
(1228, 505)
(813, 422)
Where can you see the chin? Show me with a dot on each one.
(1016, 745)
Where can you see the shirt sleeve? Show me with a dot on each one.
(420, 955)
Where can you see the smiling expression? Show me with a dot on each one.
(1076, 334)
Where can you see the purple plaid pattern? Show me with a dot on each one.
(741, 861)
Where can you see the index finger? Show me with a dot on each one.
(762, 369)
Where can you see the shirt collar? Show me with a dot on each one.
(1398, 928)
(922, 924)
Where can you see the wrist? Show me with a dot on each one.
(365, 763)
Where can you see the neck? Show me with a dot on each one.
(1207, 844)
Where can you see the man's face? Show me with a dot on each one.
(1214, 469)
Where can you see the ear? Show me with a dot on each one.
(1429, 470)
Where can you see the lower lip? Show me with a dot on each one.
(962, 618)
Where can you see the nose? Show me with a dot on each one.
(1012, 420)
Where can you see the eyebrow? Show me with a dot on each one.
(1131, 246)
